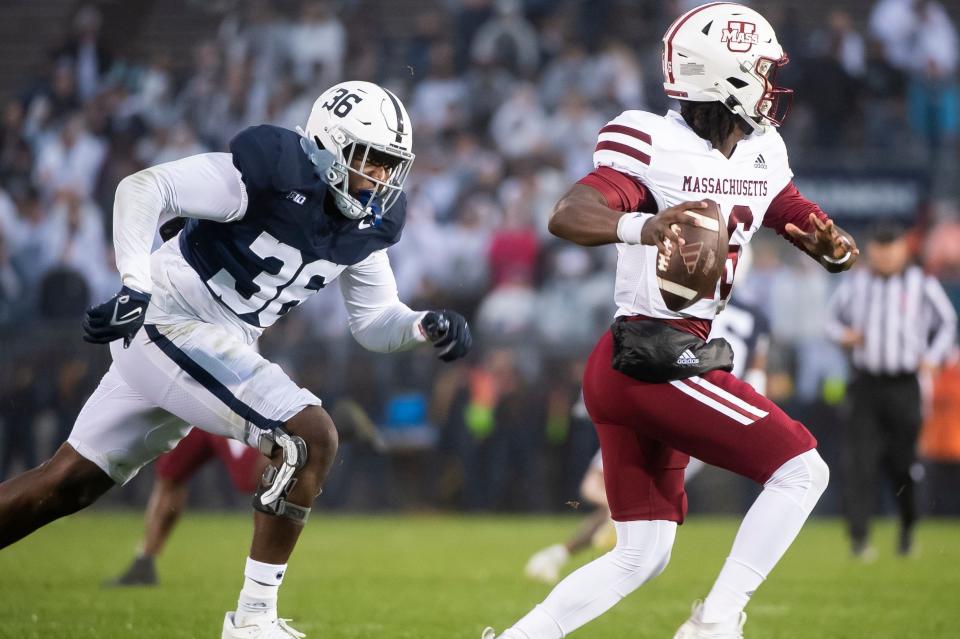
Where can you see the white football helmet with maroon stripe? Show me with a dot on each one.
(364, 122)
(728, 53)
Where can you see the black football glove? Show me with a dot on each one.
(448, 331)
(119, 317)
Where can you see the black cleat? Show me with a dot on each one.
(140, 573)
(905, 545)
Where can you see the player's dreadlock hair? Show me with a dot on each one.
(711, 120)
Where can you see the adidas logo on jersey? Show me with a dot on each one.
(687, 358)
(299, 198)
(760, 163)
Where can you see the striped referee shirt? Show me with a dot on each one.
(906, 320)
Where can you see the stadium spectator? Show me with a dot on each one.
(921, 39)
(51, 104)
(85, 52)
(19, 403)
(439, 100)
(897, 323)
(940, 440)
(573, 283)
(316, 44)
(179, 141)
(830, 74)
(16, 159)
(566, 72)
(507, 314)
(11, 286)
(884, 89)
(844, 43)
(518, 127)
(615, 77)
(77, 243)
(32, 249)
(514, 246)
(508, 39)
(515, 473)
(574, 127)
(69, 160)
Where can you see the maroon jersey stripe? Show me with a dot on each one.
(624, 149)
(625, 130)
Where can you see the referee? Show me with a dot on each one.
(895, 321)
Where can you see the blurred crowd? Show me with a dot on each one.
(506, 97)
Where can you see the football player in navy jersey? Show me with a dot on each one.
(279, 217)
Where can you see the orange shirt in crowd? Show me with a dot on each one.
(940, 438)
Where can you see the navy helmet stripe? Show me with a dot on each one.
(396, 106)
(208, 381)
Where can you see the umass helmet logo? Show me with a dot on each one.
(740, 36)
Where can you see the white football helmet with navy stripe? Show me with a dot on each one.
(361, 121)
(728, 53)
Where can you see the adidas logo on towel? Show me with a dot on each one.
(687, 358)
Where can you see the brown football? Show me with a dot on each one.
(691, 273)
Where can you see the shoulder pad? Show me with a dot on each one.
(626, 142)
(270, 158)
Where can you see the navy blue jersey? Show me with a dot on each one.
(292, 240)
(746, 328)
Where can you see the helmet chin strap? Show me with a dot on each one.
(735, 107)
(365, 197)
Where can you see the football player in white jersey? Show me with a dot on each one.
(270, 223)
(720, 62)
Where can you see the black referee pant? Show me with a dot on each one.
(881, 432)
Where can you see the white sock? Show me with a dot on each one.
(768, 529)
(642, 552)
(261, 583)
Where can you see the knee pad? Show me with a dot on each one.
(819, 472)
(644, 546)
(805, 478)
(276, 482)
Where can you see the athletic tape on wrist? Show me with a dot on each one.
(630, 227)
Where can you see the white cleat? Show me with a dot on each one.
(259, 627)
(694, 628)
(488, 633)
(545, 565)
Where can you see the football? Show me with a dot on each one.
(691, 273)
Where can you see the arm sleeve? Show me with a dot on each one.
(622, 192)
(206, 186)
(838, 311)
(943, 322)
(379, 321)
(790, 206)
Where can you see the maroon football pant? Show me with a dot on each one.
(649, 431)
(198, 448)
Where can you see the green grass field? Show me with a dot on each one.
(446, 577)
